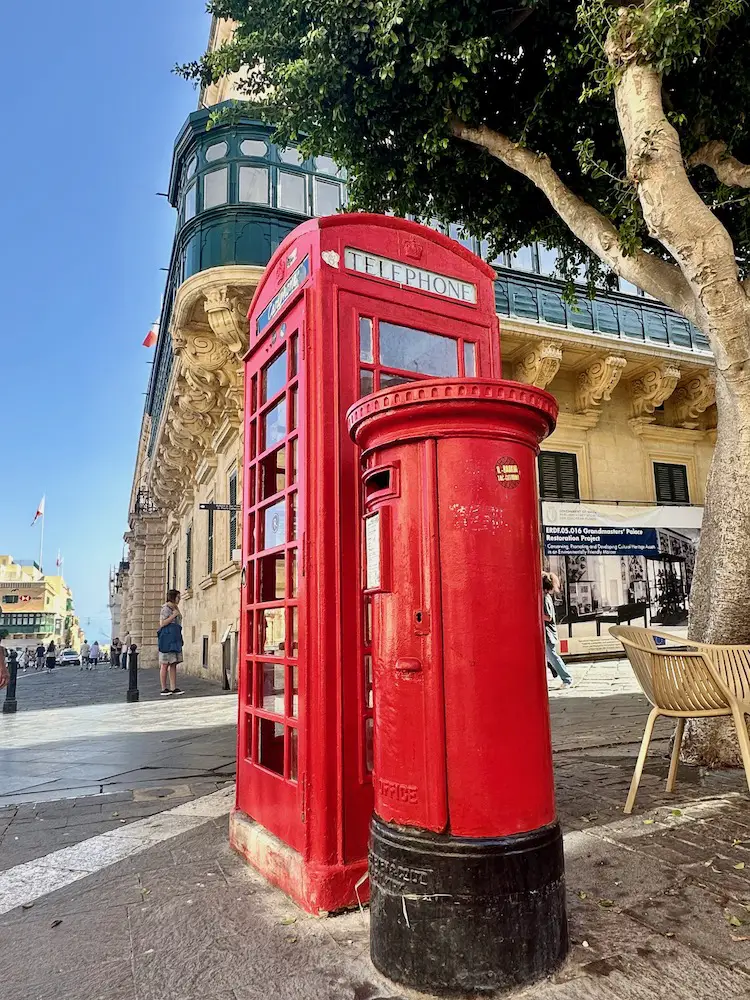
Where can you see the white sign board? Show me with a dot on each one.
(372, 551)
(409, 276)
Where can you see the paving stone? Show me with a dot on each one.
(112, 980)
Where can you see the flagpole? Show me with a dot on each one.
(41, 548)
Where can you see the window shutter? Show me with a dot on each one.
(671, 483)
(558, 476)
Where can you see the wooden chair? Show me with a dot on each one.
(699, 682)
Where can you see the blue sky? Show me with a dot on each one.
(91, 112)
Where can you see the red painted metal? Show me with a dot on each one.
(309, 785)
(462, 740)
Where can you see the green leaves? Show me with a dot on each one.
(374, 83)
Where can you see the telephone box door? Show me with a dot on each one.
(271, 689)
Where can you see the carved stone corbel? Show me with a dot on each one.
(694, 397)
(597, 383)
(650, 389)
(227, 318)
(540, 365)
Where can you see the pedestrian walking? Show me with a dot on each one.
(170, 644)
(28, 658)
(114, 652)
(93, 655)
(50, 657)
(550, 586)
(39, 657)
(125, 651)
(85, 650)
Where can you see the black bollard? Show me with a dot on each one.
(10, 704)
(132, 654)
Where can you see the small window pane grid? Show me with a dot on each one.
(232, 514)
(391, 355)
(189, 558)
(210, 543)
(250, 170)
(19, 619)
(671, 483)
(558, 476)
(272, 570)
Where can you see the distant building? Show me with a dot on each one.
(118, 579)
(35, 607)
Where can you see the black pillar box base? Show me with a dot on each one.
(456, 915)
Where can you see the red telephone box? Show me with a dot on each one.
(349, 304)
(466, 862)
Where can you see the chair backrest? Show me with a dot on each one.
(732, 664)
(671, 679)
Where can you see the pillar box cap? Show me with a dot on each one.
(453, 407)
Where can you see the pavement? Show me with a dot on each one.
(117, 881)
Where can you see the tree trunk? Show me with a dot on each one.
(720, 593)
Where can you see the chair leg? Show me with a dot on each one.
(743, 739)
(654, 714)
(675, 754)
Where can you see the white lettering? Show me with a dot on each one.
(411, 277)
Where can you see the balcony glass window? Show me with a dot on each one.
(457, 233)
(216, 152)
(547, 259)
(327, 197)
(191, 167)
(188, 210)
(253, 147)
(523, 259)
(253, 185)
(628, 288)
(215, 188)
(325, 165)
(291, 155)
(292, 193)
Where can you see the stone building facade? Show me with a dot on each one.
(634, 382)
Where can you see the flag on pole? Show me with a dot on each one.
(59, 560)
(152, 336)
(39, 511)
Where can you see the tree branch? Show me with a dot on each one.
(728, 168)
(657, 277)
(673, 210)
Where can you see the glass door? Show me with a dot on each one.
(269, 756)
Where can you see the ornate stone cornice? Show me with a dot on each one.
(693, 397)
(651, 388)
(540, 365)
(209, 336)
(597, 382)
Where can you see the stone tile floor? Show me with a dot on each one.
(659, 902)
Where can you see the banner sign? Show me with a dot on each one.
(622, 515)
(290, 286)
(565, 540)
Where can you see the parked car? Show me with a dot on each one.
(69, 657)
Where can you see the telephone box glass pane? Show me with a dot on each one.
(293, 356)
(271, 745)
(293, 517)
(292, 409)
(368, 680)
(369, 747)
(417, 351)
(365, 340)
(366, 382)
(273, 525)
(293, 582)
(294, 678)
(274, 377)
(293, 755)
(249, 688)
(273, 473)
(389, 381)
(271, 578)
(274, 425)
(293, 469)
(470, 359)
(372, 550)
(273, 688)
(272, 632)
(293, 632)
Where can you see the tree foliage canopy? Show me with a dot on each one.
(376, 84)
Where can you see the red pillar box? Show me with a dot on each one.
(466, 862)
(348, 304)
